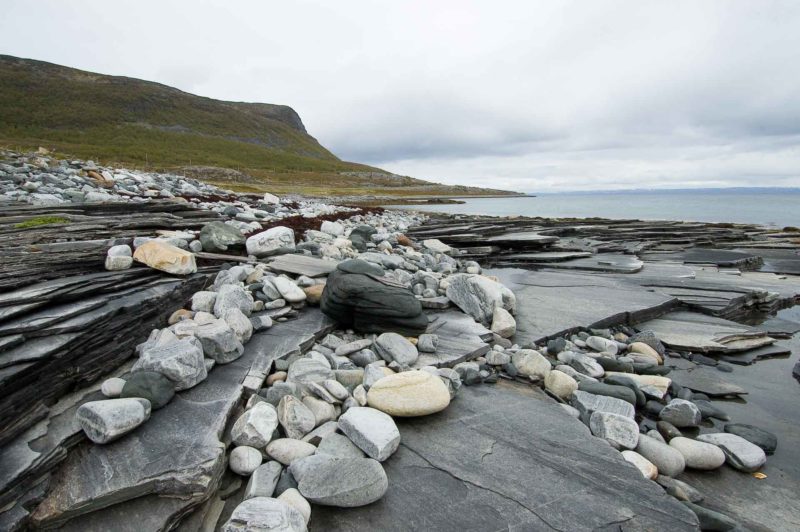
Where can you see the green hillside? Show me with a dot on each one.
(141, 124)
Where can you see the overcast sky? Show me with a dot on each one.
(528, 95)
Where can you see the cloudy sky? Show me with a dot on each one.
(527, 95)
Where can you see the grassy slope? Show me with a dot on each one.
(125, 121)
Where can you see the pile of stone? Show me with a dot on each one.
(616, 384)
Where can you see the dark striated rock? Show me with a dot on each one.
(369, 303)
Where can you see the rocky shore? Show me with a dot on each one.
(177, 356)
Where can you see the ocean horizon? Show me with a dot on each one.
(771, 207)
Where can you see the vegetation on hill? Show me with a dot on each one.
(141, 124)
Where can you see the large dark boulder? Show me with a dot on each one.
(358, 296)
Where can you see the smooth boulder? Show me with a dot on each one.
(342, 482)
(698, 454)
(409, 394)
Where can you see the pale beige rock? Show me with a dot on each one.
(560, 384)
(278, 376)
(645, 466)
(654, 385)
(314, 293)
(287, 450)
(293, 498)
(644, 349)
(409, 394)
(165, 257)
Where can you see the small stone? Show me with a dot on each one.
(263, 480)
(394, 347)
(681, 413)
(739, 453)
(560, 384)
(118, 263)
(314, 294)
(620, 431)
(323, 411)
(531, 363)
(503, 323)
(219, 341)
(352, 347)
(409, 394)
(373, 431)
(587, 403)
(645, 467)
(642, 348)
(149, 385)
(278, 376)
(668, 430)
(603, 345)
(273, 241)
(181, 361)
(295, 417)
(287, 450)
(244, 460)
(698, 454)
(203, 301)
(427, 343)
(112, 387)
(339, 446)
(256, 426)
(105, 421)
(667, 459)
(587, 365)
(264, 514)
(336, 389)
(497, 358)
(306, 370)
(293, 498)
(239, 323)
(360, 395)
(233, 296)
(762, 438)
(288, 290)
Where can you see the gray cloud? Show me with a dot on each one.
(528, 95)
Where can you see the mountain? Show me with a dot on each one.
(131, 122)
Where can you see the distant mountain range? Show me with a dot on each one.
(131, 122)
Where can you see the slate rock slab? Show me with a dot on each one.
(707, 381)
(508, 457)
